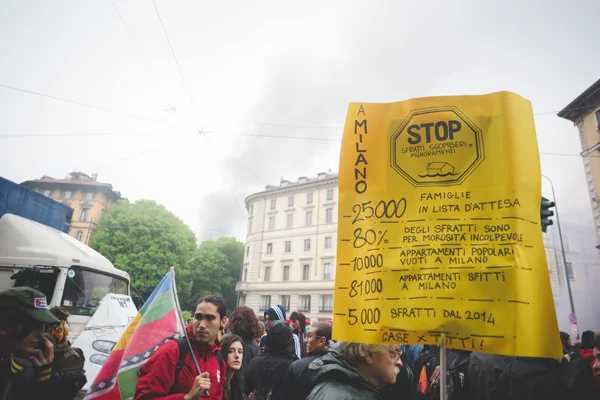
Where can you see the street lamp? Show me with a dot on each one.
(562, 247)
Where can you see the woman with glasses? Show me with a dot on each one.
(355, 370)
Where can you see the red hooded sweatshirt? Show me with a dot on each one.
(156, 377)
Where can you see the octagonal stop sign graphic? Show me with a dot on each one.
(436, 146)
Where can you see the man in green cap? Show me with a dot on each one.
(26, 355)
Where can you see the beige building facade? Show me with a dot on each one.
(88, 198)
(584, 112)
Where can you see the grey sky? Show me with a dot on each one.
(296, 64)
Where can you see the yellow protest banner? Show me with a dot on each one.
(439, 227)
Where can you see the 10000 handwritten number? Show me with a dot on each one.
(383, 209)
(367, 262)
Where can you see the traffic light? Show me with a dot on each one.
(546, 213)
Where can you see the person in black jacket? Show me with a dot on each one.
(232, 351)
(27, 357)
(297, 384)
(244, 323)
(267, 370)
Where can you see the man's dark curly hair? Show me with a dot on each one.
(244, 323)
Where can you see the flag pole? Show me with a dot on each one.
(182, 322)
(443, 372)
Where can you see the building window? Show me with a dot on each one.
(271, 223)
(329, 194)
(326, 303)
(267, 274)
(329, 215)
(308, 218)
(249, 226)
(570, 274)
(290, 220)
(304, 303)
(242, 301)
(598, 117)
(286, 273)
(89, 196)
(273, 204)
(288, 246)
(327, 271)
(84, 215)
(269, 248)
(305, 272)
(309, 198)
(68, 194)
(247, 251)
(79, 235)
(328, 242)
(245, 274)
(306, 244)
(284, 300)
(264, 303)
(47, 193)
(291, 201)
(252, 209)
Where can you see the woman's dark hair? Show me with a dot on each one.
(301, 318)
(215, 300)
(243, 322)
(236, 386)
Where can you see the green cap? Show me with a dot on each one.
(30, 301)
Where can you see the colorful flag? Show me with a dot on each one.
(157, 322)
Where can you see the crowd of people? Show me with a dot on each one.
(240, 357)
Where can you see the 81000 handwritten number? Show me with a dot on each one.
(368, 286)
(383, 209)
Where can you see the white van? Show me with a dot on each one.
(69, 273)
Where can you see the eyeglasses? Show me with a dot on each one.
(395, 355)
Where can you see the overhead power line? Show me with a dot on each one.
(176, 62)
(79, 103)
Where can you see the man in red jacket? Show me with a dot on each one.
(158, 377)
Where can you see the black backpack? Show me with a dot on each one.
(511, 381)
(458, 379)
(577, 370)
(184, 350)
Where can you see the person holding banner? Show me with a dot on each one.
(171, 373)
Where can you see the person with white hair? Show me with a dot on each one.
(355, 371)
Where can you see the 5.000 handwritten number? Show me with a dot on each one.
(383, 209)
(364, 316)
(368, 286)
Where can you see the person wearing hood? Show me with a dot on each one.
(159, 379)
(277, 313)
(297, 383)
(355, 371)
(267, 370)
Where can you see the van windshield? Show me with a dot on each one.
(85, 288)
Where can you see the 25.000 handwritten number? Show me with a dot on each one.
(364, 316)
(383, 209)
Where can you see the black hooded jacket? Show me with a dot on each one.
(267, 370)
